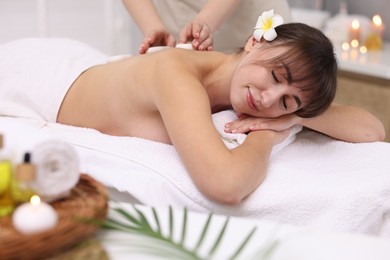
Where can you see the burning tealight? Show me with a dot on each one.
(354, 43)
(377, 21)
(345, 46)
(34, 217)
(374, 40)
(363, 49)
(354, 33)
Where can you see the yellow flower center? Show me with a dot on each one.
(268, 24)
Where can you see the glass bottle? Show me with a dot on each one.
(21, 183)
(6, 202)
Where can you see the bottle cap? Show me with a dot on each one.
(26, 170)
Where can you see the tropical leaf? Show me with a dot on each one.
(219, 238)
(244, 243)
(158, 243)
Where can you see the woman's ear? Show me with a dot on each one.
(250, 43)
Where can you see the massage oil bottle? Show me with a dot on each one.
(21, 183)
(6, 202)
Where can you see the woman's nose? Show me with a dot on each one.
(269, 97)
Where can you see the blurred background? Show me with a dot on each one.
(106, 25)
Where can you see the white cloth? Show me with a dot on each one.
(57, 169)
(233, 140)
(36, 73)
(314, 181)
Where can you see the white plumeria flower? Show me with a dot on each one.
(265, 26)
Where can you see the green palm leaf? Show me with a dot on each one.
(157, 243)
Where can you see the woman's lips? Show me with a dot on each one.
(250, 101)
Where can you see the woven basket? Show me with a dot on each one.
(79, 215)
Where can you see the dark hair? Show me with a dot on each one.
(312, 62)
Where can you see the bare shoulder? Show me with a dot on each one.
(183, 102)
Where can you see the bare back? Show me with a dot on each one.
(118, 98)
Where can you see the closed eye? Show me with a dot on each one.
(284, 102)
(274, 76)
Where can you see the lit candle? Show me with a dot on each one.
(377, 25)
(34, 217)
(374, 40)
(354, 33)
(354, 43)
(345, 53)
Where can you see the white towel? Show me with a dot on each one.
(57, 162)
(233, 140)
(57, 169)
(314, 181)
(36, 74)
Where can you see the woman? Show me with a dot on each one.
(169, 97)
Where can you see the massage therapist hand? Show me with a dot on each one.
(154, 38)
(199, 33)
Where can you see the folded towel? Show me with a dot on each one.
(233, 140)
(314, 181)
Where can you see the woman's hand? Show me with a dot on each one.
(157, 38)
(200, 33)
(246, 123)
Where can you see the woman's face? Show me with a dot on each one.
(261, 91)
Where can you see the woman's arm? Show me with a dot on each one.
(346, 123)
(223, 175)
(144, 15)
(148, 20)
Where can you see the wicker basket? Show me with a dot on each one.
(80, 215)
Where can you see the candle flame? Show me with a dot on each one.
(354, 43)
(363, 49)
(345, 46)
(355, 24)
(35, 200)
(377, 20)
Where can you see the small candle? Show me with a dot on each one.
(34, 217)
(345, 53)
(374, 40)
(354, 33)
(377, 25)
(354, 43)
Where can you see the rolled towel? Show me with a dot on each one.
(58, 169)
(232, 140)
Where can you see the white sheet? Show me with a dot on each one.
(314, 181)
(36, 73)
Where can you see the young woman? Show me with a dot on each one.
(169, 97)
